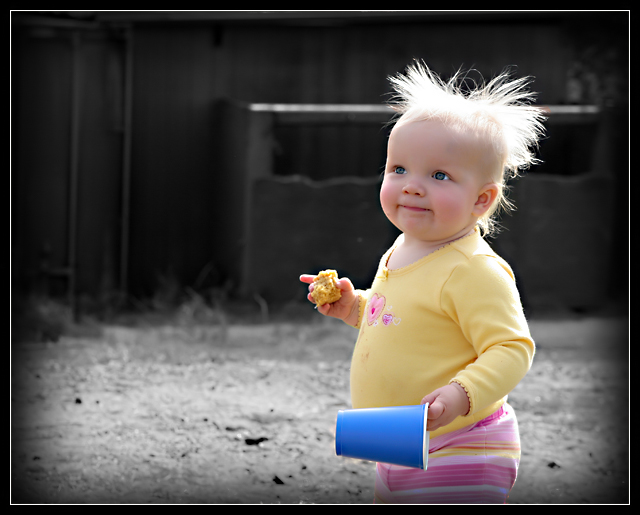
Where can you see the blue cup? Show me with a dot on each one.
(397, 435)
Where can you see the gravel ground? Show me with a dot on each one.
(176, 412)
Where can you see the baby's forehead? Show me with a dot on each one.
(451, 139)
(453, 134)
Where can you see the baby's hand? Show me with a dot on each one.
(343, 308)
(445, 404)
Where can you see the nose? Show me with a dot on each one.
(413, 188)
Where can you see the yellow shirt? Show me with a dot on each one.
(454, 315)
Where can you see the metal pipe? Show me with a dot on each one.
(74, 141)
(126, 161)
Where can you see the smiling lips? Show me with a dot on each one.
(412, 208)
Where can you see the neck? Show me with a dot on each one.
(431, 246)
(409, 250)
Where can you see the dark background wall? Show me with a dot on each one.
(129, 168)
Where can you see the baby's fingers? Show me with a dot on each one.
(306, 278)
(344, 284)
(435, 410)
(324, 309)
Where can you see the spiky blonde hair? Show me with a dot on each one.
(499, 110)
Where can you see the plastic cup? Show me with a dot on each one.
(397, 435)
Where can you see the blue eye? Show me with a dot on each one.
(399, 170)
(440, 176)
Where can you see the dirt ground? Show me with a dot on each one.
(182, 410)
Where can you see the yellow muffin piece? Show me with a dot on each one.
(325, 290)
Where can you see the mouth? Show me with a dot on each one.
(413, 208)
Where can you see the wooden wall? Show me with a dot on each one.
(66, 160)
(181, 191)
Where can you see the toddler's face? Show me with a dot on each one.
(434, 178)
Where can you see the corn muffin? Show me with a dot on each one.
(325, 290)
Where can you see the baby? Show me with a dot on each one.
(442, 322)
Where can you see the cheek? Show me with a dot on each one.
(449, 203)
(388, 196)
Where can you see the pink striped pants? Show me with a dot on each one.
(475, 464)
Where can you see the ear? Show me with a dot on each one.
(487, 196)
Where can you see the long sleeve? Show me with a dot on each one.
(363, 296)
(481, 297)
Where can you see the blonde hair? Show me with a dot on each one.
(499, 110)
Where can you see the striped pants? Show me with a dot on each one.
(475, 464)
